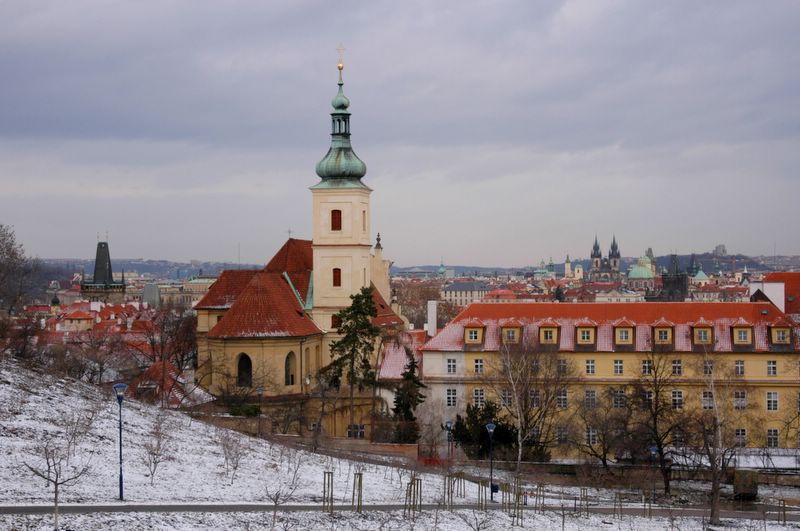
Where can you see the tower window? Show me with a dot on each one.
(364, 220)
(244, 373)
(337, 277)
(336, 220)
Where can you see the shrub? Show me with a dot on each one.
(245, 410)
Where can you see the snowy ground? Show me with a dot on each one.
(36, 407)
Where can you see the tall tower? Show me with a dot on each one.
(614, 255)
(596, 255)
(341, 220)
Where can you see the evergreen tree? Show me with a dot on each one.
(352, 353)
(407, 397)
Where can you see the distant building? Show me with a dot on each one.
(674, 284)
(103, 287)
(463, 293)
(641, 276)
(605, 269)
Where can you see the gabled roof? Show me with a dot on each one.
(222, 293)
(295, 256)
(267, 307)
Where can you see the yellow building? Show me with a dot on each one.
(740, 358)
(272, 328)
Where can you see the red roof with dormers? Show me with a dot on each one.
(680, 315)
(386, 316)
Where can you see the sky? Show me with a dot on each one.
(495, 133)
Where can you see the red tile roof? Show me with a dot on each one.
(791, 289)
(267, 307)
(680, 315)
(386, 316)
(79, 315)
(395, 354)
(222, 293)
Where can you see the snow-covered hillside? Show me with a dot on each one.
(35, 408)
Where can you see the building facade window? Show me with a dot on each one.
(772, 368)
(677, 399)
(708, 400)
(451, 398)
(740, 400)
(708, 367)
(562, 366)
(678, 438)
(336, 220)
(506, 400)
(561, 399)
(478, 397)
(511, 335)
(562, 435)
(479, 366)
(623, 335)
(663, 335)
(647, 399)
(535, 397)
(589, 366)
(743, 335)
(739, 367)
(702, 336)
(780, 335)
(451, 366)
(591, 436)
(590, 399)
(772, 401)
(618, 367)
(618, 398)
(772, 437)
(677, 368)
(355, 431)
(647, 367)
(337, 277)
(740, 437)
(289, 366)
(473, 335)
(548, 336)
(244, 373)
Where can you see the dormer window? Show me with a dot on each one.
(585, 336)
(781, 336)
(473, 335)
(623, 336)
(547, 336)
(510, 335)
(702, 336)
(663, 336)
(742, 336)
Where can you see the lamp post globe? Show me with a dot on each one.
(490, 427)
(119, 391)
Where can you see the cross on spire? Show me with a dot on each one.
(340, 50)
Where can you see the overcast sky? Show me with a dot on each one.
(494, 133)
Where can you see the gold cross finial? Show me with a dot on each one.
(341, 50)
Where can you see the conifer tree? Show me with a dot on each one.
(352, 353)
(407, 397)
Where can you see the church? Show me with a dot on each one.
(605, 269)
(264, 334)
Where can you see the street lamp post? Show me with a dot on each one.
(449, 427)
(490, 428)
(260, 393)
(119, 389)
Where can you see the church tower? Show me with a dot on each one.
(341, 220)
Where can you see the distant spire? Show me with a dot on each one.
(378, 242)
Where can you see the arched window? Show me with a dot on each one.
(289, 369)
(337, 277)
(336, 220)
(244, 373)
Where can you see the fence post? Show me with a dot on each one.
(327, 491)
(356, 502)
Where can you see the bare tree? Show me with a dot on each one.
(280, 488)
(234, 448)
(531, 387)
(54, 458)
(157, 448)
(710, 426)
(17, 271)
(97, 349)
(659, 413)
(607, 422)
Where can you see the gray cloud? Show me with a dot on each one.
(494, 133)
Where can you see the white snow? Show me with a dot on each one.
(34, 406)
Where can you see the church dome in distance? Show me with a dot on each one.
(641, 270)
